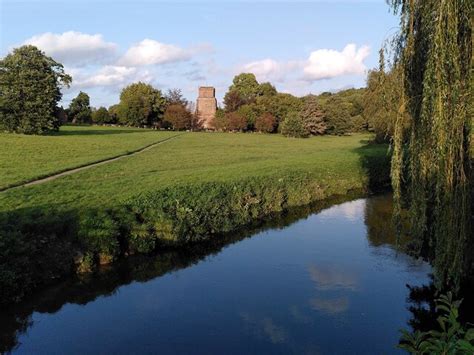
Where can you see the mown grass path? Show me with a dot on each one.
(24, 158)
(88, 166)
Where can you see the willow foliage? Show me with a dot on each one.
(432, 158)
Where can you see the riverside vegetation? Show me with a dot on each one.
(194, 187)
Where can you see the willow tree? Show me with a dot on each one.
(431, 161)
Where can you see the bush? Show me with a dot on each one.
(101, 116)
(236, 122)
(293, 126)
(178, 116)
(220, 121)
(266, 123)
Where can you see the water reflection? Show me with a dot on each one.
(306, 282)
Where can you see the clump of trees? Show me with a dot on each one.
(266, 110)
(30, 90)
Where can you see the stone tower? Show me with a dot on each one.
(206, 106)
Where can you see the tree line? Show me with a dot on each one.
(31, 84)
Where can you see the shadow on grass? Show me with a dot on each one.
(93, 132)
(375, 160)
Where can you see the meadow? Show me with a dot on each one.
(27, 157)
(193, 187)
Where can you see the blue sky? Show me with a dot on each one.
(301, 47)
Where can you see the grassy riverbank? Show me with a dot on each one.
(191, 188)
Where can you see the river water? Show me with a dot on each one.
(317, 281)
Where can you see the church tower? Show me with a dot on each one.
(206, 106)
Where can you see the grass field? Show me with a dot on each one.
(189, 158)
(24, 157)
(193, 187)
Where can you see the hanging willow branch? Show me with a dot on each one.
(433, 157)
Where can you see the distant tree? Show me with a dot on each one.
(101, 116)
(220, 121)
(250, 112)
(293, 126)
(141, 105)
(30, 89)
(312, 115)
(80, 110)
(279, 105)
(266, 89)
(61, 114)
(178, 116)
(114, 113)
(246, 85)
(233, 100)
(337, 114)
(236, 122)
(265, 123)
(175, 97)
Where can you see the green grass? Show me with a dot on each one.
(24, 157)
(192, 188)
(191, 158)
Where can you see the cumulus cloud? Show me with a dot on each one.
(265, 69)
(75, 48)
(112, 75)
(329, 63)
(149, 52)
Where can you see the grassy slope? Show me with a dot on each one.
(23, 157)
(337, 162)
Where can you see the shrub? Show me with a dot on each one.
(266, 123)
(236, 122)
(178, 116)
(293, 126)
(220, 121)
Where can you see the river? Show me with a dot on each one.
(317, 281)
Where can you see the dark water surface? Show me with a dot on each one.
(325, 283)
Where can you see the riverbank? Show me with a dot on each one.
(194, 188)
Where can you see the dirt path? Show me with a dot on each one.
(90, 165)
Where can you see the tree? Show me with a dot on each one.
(80, 110)
(279, 105)
(337, 115)
(175, 97)
(265, 123)
(293, 126)
(178, 116)
(313, 116)
(250, 112)
(266, 89)
(101, 116)
(141, 105)
(232, 101)
(114, 113)
(220, 121)
(247, 86)
(434, 49)
(30, 89)
(236, 122)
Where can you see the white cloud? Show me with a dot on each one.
(75, 48)
(265, 69)
(111, 75)
(329, 63)
(150, 51)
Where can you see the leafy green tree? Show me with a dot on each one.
(293, 126)
(101, 116)
(178, 116)
(434, 49)
(337, 113)
(30, 89)
(175, 97)
(141, 105)
(114, 113)
(246, 85)
(279, 105)
(233, 101)
(250, 112)
(266, 89)
(266, 123)
(312, 115)
(80, 110)
(220, 121)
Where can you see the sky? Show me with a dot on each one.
(300, 47)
